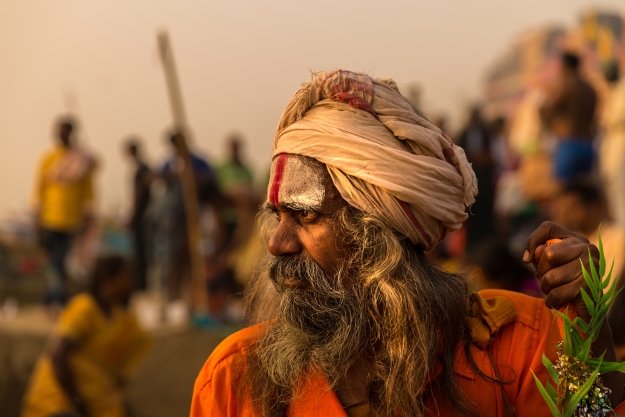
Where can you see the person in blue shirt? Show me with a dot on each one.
(170, 218)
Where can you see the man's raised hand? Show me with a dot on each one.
(558, 266)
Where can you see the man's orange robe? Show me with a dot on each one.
(517, 329)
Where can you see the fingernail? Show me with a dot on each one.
(526, 257)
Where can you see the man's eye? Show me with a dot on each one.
(308, 215)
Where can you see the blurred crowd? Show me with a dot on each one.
(184, 208)
(192, 245)
(557, 156)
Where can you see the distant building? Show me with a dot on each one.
(532, 59)
(519, 67)
(602, 33)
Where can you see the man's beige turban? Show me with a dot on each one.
(382, 156)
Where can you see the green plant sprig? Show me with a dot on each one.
(574, 352)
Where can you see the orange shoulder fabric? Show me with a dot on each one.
(216, 386)
(518, 341)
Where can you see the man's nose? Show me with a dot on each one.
(284, 240)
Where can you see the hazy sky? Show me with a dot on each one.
(239, 63)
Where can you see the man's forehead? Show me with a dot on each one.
(296, 182)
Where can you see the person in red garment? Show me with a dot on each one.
(352, 317)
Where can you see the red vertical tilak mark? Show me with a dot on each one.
(277, 179)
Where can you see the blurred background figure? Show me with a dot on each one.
(475, 139)
(235, 203)
(579, 208)
(140, 200)
(233, 172)
(171, 219)
(497, 268)
(612, 145)
(503, 157)
(64, 197)
(95, 348)
(569, 114)
(233, 177)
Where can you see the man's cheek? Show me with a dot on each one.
(329, 258)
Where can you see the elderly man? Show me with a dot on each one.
(354, 319)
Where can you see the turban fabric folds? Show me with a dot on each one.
(383, 157)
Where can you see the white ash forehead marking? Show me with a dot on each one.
(302, 187)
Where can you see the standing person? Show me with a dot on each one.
(64, 198)
(475, 139)
(95, 349)
(579, 207)
(236, 210)
(233, 173)
(141, 198)
(569, 114)
(172, 220)
(235, 181)
(354, 319)
(503, 158)
(612, 146)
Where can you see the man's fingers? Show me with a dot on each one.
(544, 232)
(537, 253)
(559, 277)
(558, 255)
(566, 294)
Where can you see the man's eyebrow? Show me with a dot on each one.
(290, 206)
(268, 207)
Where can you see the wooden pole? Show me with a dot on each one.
(171, 78)
(199, 299)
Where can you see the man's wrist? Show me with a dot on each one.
(605, 333)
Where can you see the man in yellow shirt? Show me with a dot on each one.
(64, 193)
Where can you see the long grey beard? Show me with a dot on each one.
(321, 324)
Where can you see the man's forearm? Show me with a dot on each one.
(613, 380)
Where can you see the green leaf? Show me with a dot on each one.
(609, 295)
(601, 255)
(600, 315)
(609, 303)
(579, 344)
(563, 316)
(576, 398)
(583, 326)
(568, 348)
(552, 392)
(593, 270)
(588, 280)
(551, 369)
(590, 305)
(585, 350)
(550, 402)
(606, 280)
(605, 367)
